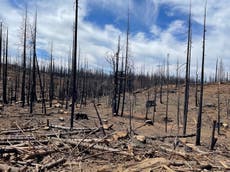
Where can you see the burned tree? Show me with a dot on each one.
(115, 105)
(187, 77)
(24, 62)
(74, 63)
(0, 50)
(33, 88)
(199, 117)
(126, 64)
(167, 97)
(196, 85)
(5, 57)
(51, 86)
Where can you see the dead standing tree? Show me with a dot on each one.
(0, 50)
(74, 65)
(187, 77)
(167, 97)
(115, 103)
(126, 63)
(199, 117)
(5, 59)
(24, 61)
(33, 88)
(51, 86)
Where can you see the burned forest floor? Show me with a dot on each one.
(38, 142)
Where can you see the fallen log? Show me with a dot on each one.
(170, 136)
(67, 128)
(70, 133)
(39, 154)
(14, 142)
(98, 147)
(7, 168)
(53, 164)
(18, 131)
(8, 150)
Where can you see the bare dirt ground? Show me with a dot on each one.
(40, 142)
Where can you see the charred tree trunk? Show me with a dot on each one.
(167, 96)
(216, 74)
(33, 88)
(126, 66)
(51, 86)
(218, 108)
(74, 63)
(1, 50)
(187, 77)
(24, 62)
(5, 70)
(196, 86)
(41, 88)
(199, 117)
(115, 93)
(29, 81)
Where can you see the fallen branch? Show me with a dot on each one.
(98, 147)
(53, 164)
(67, 128)
(170, 136)
(5, 167)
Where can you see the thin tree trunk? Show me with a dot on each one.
(216, 74)
(51, 86)
(1, 50)
(199, 117)
(5, 71)
(126, 66)
(115, 93)
(24, 63)
(196, 86)
(218, 109)
(74, 63)
(41, 88)
(33, 89)
(167, 97)
(187, 77)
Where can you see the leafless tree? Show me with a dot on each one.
(187, 77)
(24, 61)
(74, 65)
(199, 117)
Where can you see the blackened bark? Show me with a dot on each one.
(126, 66)
(5, 71)
(33, 88)
(51, 86)
(187, 77)
(199, 117)
(74, 63)
(24, 62)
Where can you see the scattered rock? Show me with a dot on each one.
(1, 106)
(210, 105)
(120, 135)
(57, 105)
(46, 128)
(61, 119)
(81, 115)
(107, 126)
(168, 119)
(225, 125)
(61, 111)
(149, 122)
(140, 138)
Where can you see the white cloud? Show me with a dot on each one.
(55, 22)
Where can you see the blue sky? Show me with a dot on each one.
(157, 28)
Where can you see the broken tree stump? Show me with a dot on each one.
(213, 139)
